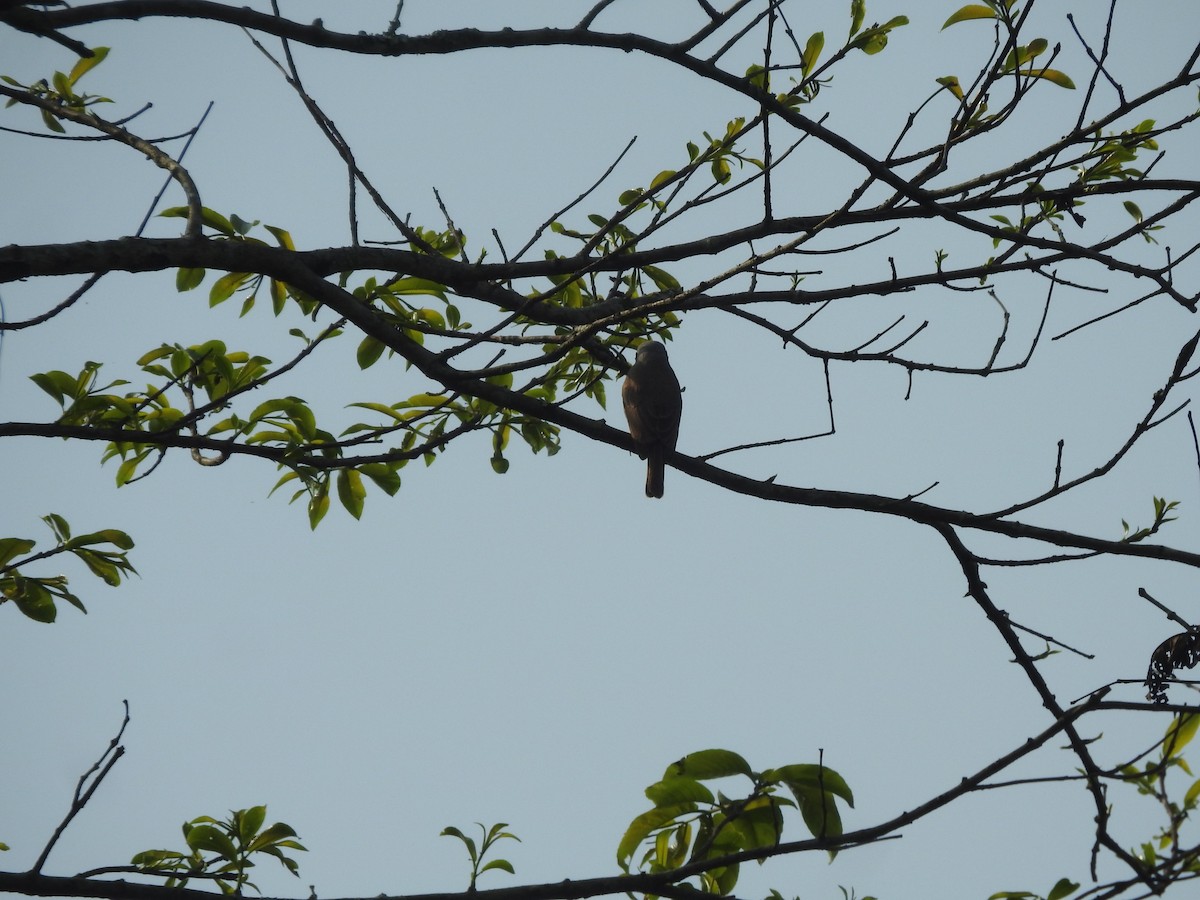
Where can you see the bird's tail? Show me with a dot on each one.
(654, 473)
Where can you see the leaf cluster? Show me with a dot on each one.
(60, 91)
(1166, 851)
(477, 852)
(35, 595)
(689, 823)
(222, 850)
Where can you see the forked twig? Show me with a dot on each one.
(85, 789)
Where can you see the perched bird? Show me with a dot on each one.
(653, 402)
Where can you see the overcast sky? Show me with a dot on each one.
(535, 648)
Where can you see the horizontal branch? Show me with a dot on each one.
(37, 885)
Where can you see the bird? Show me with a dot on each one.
(653, 403)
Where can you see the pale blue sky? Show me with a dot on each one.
(536, 648)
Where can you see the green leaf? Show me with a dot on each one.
(52, 123)
(1189, 799)
(226, 286)
(101, 567)
(351, 491)
(664, 280)
(13, 547)
(1180, 733)
(249, 821)
(1064, 887)
(809, 776)
(969, 12)
(451, 831)
(106, 536)
(812, 51)
(369, 351)
(680, 789)
(727, 879)
(760, 823)
(87, 63)
(662, 177)
(187, 279)
(950, 83)
(284, 238)
(430, 317)
(641, 827)
(1052, 75)
(499, 864)
(820, 814)
(706, 764)
(209, 217)
(211, 838)
(276, 835)
(35, 601)
(318, 505)
(384, 476)
(414, 285)
(858, 12)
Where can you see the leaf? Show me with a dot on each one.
(249, 821)
(664, 280)
(820, 814)
(226, 286)
(810, 776)
(969, 12)
(1052, 75)
(680, 789)
(13, 547)
(706, 764)
(35, 602)
(1180, 733)
(318, 505)
(451, 831)
(369, 351)
(106, 536)
(87, 63)
(858, 11)
(283, 237)
(351, 491)
(662, 178)
(100, 566)
(414, 285)
(187, 279)
(52, 123)
(951, 83)
(384, 477)
(1064, 887)
(1189, 799)
(641, 827)
(812, 51)
(499, 864)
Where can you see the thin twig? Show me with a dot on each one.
(84, 790)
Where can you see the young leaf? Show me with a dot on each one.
(706, 764)
(14, 547)
(87, 63)
(351, 491)
(968, 12)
